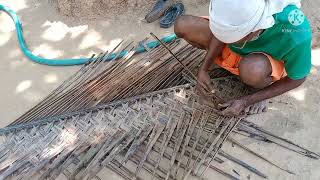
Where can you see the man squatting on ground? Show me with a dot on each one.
(266, 42)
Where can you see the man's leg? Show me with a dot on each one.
(194, 30)
(255, 71)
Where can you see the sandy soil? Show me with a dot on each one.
(97, 9)
(51, 34)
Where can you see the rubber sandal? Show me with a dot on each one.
(158, 10)
(171, 15)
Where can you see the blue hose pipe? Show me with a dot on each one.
(69, 62)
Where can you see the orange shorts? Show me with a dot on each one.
(230, 61)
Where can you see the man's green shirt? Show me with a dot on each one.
(289, 40)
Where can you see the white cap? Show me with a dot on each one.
(232, 20)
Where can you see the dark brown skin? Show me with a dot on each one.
(235, 107)
(196, 31)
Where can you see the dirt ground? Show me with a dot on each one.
(51, 34)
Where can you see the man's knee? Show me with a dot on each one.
(255, 70)
(181, 24)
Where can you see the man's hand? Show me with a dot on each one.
(214, 49)
(234, 107)
(204, 82)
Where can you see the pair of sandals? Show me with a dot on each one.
(168, 10)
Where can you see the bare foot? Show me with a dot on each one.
(257, 108)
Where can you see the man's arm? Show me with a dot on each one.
(279, 87)
(214, 49)
(235, 107)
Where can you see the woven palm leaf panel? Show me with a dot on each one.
(168, 133)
